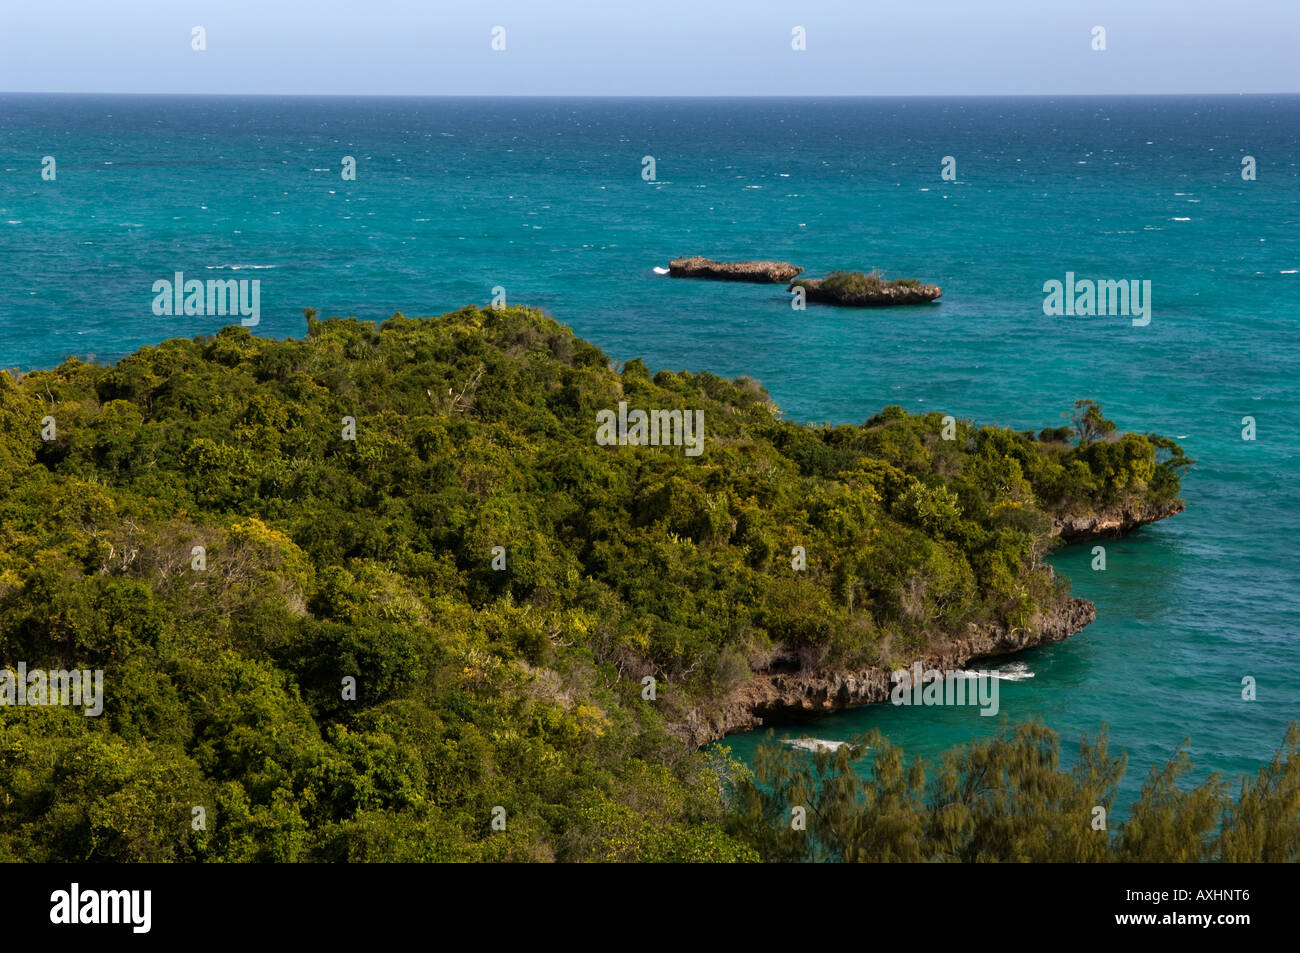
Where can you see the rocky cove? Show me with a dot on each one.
(787, 691)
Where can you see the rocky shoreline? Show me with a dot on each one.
(1112, 523)
(802, 693)
(785, 691)
(764, 272)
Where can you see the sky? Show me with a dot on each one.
(651, 47)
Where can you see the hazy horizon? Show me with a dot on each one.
(726, 49)
(616, 96)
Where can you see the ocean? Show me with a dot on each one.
(546, 200)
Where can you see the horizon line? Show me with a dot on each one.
(612, 96)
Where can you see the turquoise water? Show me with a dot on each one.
(545, 198)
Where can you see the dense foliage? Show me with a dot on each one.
(325, 558)
(1010, 799)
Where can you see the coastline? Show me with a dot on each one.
(784, 695)
(1112, 522)
(776, 696)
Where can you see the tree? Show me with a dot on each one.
(1089, 423)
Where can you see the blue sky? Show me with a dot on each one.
(659, 48)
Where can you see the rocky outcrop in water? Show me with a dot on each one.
(771, 272)
(865, 293)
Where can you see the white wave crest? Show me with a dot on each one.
(815, 744)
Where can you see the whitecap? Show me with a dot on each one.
(660, 271)
(1013, 672)
(815, 744)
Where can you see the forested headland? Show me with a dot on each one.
(379, 594)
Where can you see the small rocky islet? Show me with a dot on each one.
(762, 272)
(847, 288)
(858, 290)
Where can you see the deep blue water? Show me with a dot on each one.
(546, 199)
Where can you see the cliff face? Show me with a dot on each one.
(1113, 522)
(769, 272)
(817, 692)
